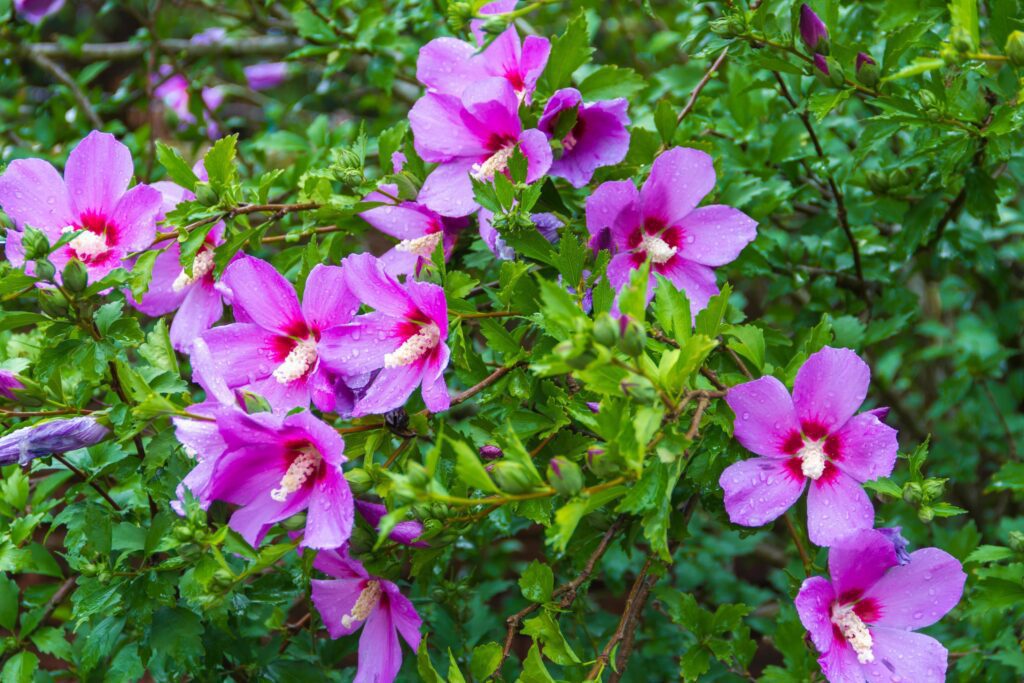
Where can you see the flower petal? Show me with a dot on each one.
(380, 653)
(244, 352)
(403, 615)
(264, 296)
(535, 53)
(329, 519)
(840, 665)
(447, 65)
(865, 448)
(905, 656)
(814, 605)
(160, 298)
(858, 561)
(759, 490)
(405, 221)
(829, 387)
(715, 235)
(33, 193)
(765, 417)
(921, 592)
(134, 217)
(335, 599)
(390, 390)
(434, 390)
(836, 507)
(98, 171)
(374, 287)
(679, 179)
(537, 150)
(696, 280)
(603, 141)
(201, 308)
(612, 214)
(360, 346)
(429, 299)
(326, 299)
(448, 189)
(439, 131)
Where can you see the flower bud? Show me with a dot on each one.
(933, 488)
(898, 177)
(358, 480)
(1015, 48)
(52, 302)
(45, 270)
(223, 578)
(46, 438)
(601, 463)
(490, 452)
(183, 533)
(581, 361)
(565, 476)
(347, 158)
(459, 14)
(606, 330)
(206, 195)
(9, 383)
(495, 25)
(867, 70)
(75, 276)
(1017, 541)
(730, 26)
(961, 39)
(633, 339)
(512, 477)
(912, 492)
(926, 514)
(35, 243)
(877, 181)
(836, 77)
(813, 31)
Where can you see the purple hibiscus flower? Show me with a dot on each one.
(46, 438)
(863, 621)
(195, 297)
(173, 90)
(355, 599)
(450, 66)
(274, 348)
(596, 138)
(472, 135)
(9, 383)
(405, 532)
(547, 225)
(662, 223)
(266, 75)
(34, 11)
(813, 436)
(276, 466)
(92, 200)
(210, 36)
(418, 228)
(403, 338)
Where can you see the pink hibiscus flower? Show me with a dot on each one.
(597, 138)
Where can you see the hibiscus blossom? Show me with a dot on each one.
(591, 134)
(276, 466)
(812, 437)
(266, 75)
(274, 348)
(355, 599)
(863, 620)
(661, 223)
(92, 201)
(403, 339)
(418, 228)
(450, 66)
(472, 135)
(9, 383)
(547, 225)
(34, 11)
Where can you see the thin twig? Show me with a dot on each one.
(81, 475)
(700, 86)
(58, 72)
(804, 557)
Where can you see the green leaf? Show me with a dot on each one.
(665, 120)
(694, 663)
(454, 675)
(989, 553)
(485, 660)
(569, 51)
(964, 15)
(544, 630)
(572, 254)
(21, 668)
(177, 168)
(12, 320)
(537, 582)
(220, 163)
(8, 603)
(709, 321)
(534, 670)
(610, 82)
(822, 103)
(747, 341)
(425, 668)
(470, 470)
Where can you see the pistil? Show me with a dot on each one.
(414, 347)
(421, 246)
(302, 467)
(855, 631)
(201, 266)
(497, 163)
(657, 248)
(367, 600)
(297, 363)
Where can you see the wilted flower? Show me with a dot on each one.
(813, 30)
(9, 382)
(403, 338)
(863, 620)
(662, 223)
(591, 134)
(355, 599)
(418, 228)
(34, 11)
(474, 135)
(813, 436)
(47, 438)
(275, 348)
(899, 544)
(266, 75)
(92, 200)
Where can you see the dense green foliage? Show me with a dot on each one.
(889, 221)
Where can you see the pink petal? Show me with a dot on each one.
(865, 448)
(829, 387)
(340, 565)
(440, 131)
(321, 435)
(814, 605)
(759, 490)
(679, 179)
(97, 173)
(408, 220)
(905, 656)
(264, 296)
(326, 299)
(390, 390)
(430, 300)
(206, 375)
(33, 193)
(535, 146)
(199, 311)
(329, 518)
(245, 352)
(447, 65)
(334, 600)
(367, 279)
(836, 507)
(612, 214)
(434, 389)
(765, 417)
(921, 592)
(380, 654)
(134, 217)
(620, 268)
(494, 108)
(696, 280)
(858, 561)
(840, 665)
(160, 298)
(282, 397)
(715, 235)
(361, 345)
(448, 189)
(604, 141)
(535, 53)
(403, 615)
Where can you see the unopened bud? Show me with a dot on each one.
(601, 463)
(459, 14)
(633, 339)
(933, 488)
(52, 303)
(495, 25)
(75, 276)
(490, 452)
(878, 181)
(867, 70)
(223, 578)
(565, 476)
(1017, 541)
(512, 477)
(45, 270)
(417, 474)
(35, 243)
(1015, 48)
(183, 533)
(347, 158)
(206, 195)
(606, 330)
(358, 480)
(813, 31)
(912, 492)
(961, 39)
(926, 514)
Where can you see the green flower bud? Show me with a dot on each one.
(52, 303)
(347, 158)
(45, 270)
(565, 476)
(512, 477)
(183, 533)
(358, 480)
(75, 276)
(836, 76)
(581, 361)
(495, 25)
(1017, 541)
(222, 578)
(35, 243)
(1015, 48)
(912, 492)
(417, 474)
(933, 488)
(351, 176)
(926, 514)
(459, 14)
(601, 463)
(606, 330)
(961, 39)
(898, 177)
(633, 339)
(877, 181)
(730, 26)
(867, 70)
(206, 195)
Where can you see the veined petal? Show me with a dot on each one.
(326, 299)
(765, 417)
(865, 448)
(612, 214)
(434, 389)
(696, 280)
(921, 592)
(390, 390)
(759, 490)
(33, 193)
(447, 65)
(380, 654)
(448, 189)
(715, 235)
(134, 217)
(829, 387)
(97, 173)
(329, 519)
(360, 346)
(334, 599)
(906, 656)
(814, 605)
(244, 352)
(859, 560)
(265, 296)
(440, 134)
(200, 309)
(679, 179)
(537, 150)
(374, 287)
(836, 507)
(403, 615)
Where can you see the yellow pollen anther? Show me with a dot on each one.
(657, 248)
(421, 246)
(365, 603)
(414, 347)
(299, 471)
(497, 163)
(855, 631)
(298, 362)
(201, 266)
